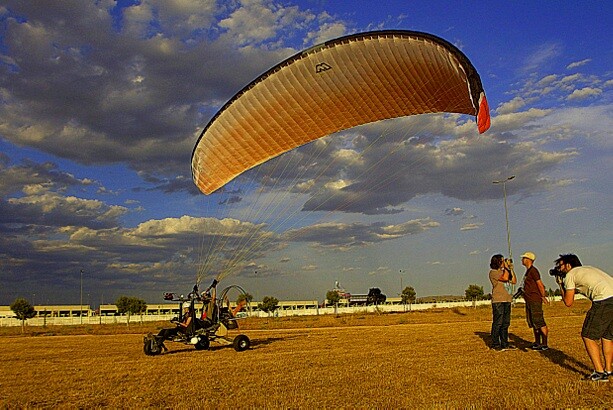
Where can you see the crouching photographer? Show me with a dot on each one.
(597, 286)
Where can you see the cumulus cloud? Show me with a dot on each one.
(584, 93)
(594, 122)
(547, 80)
(327, 31)
(50, 209)
(344, 236)
(29, 173)
(73, 232)
(383, 175)
(516, 120)
(454, 211)
(98, 87)
(471, 226)
(511, 106)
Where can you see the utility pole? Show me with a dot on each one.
(400, 271)
(81, 307)
(506, 211)
(506, 217)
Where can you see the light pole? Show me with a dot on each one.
(506, 211)
(404, 306)
(81, 307)
(506, 217)
(400, 271)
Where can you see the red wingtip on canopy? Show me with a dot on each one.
(483, 117)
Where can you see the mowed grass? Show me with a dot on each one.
(433, 359)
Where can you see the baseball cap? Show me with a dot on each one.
(529, 255)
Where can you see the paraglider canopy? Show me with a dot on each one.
(336, 85)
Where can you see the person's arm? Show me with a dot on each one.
(541, 288)
(513, 277)
(507, 276)
(186, 321)
(568, 295)
(239, 307)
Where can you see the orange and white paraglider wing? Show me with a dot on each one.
(337, 85)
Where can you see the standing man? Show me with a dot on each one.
(598, 324)
(534, 296)
(500, 273)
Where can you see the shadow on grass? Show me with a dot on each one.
(257, 343)
(183, 350)
(269, 340)
(519, 342)
(457, 311)
(565, 361)
(553, 355)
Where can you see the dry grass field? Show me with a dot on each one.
(432, 359)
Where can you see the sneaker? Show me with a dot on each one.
(542, 348)
(598, 377)
(499, 349)
(534, 346)
(510, 347)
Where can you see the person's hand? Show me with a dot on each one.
(559, 280)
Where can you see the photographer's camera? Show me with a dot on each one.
(557, 272)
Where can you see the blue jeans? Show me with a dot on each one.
(501, 320)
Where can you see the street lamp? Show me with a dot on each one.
(400, 271)
(506, 211)
(81, 307)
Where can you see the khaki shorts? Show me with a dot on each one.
(534, 315)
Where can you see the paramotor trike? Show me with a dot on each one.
(214, 325)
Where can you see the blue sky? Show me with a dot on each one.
(101, 105)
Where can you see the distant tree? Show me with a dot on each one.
(244, 296)
(474, 292)
(408, 295)
(269, 304)
(23, 311)
(130, 305)
(557, 292)
(333, 297)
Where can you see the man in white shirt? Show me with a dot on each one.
(597, 285)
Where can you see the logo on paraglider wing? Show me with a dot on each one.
(321, 67)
